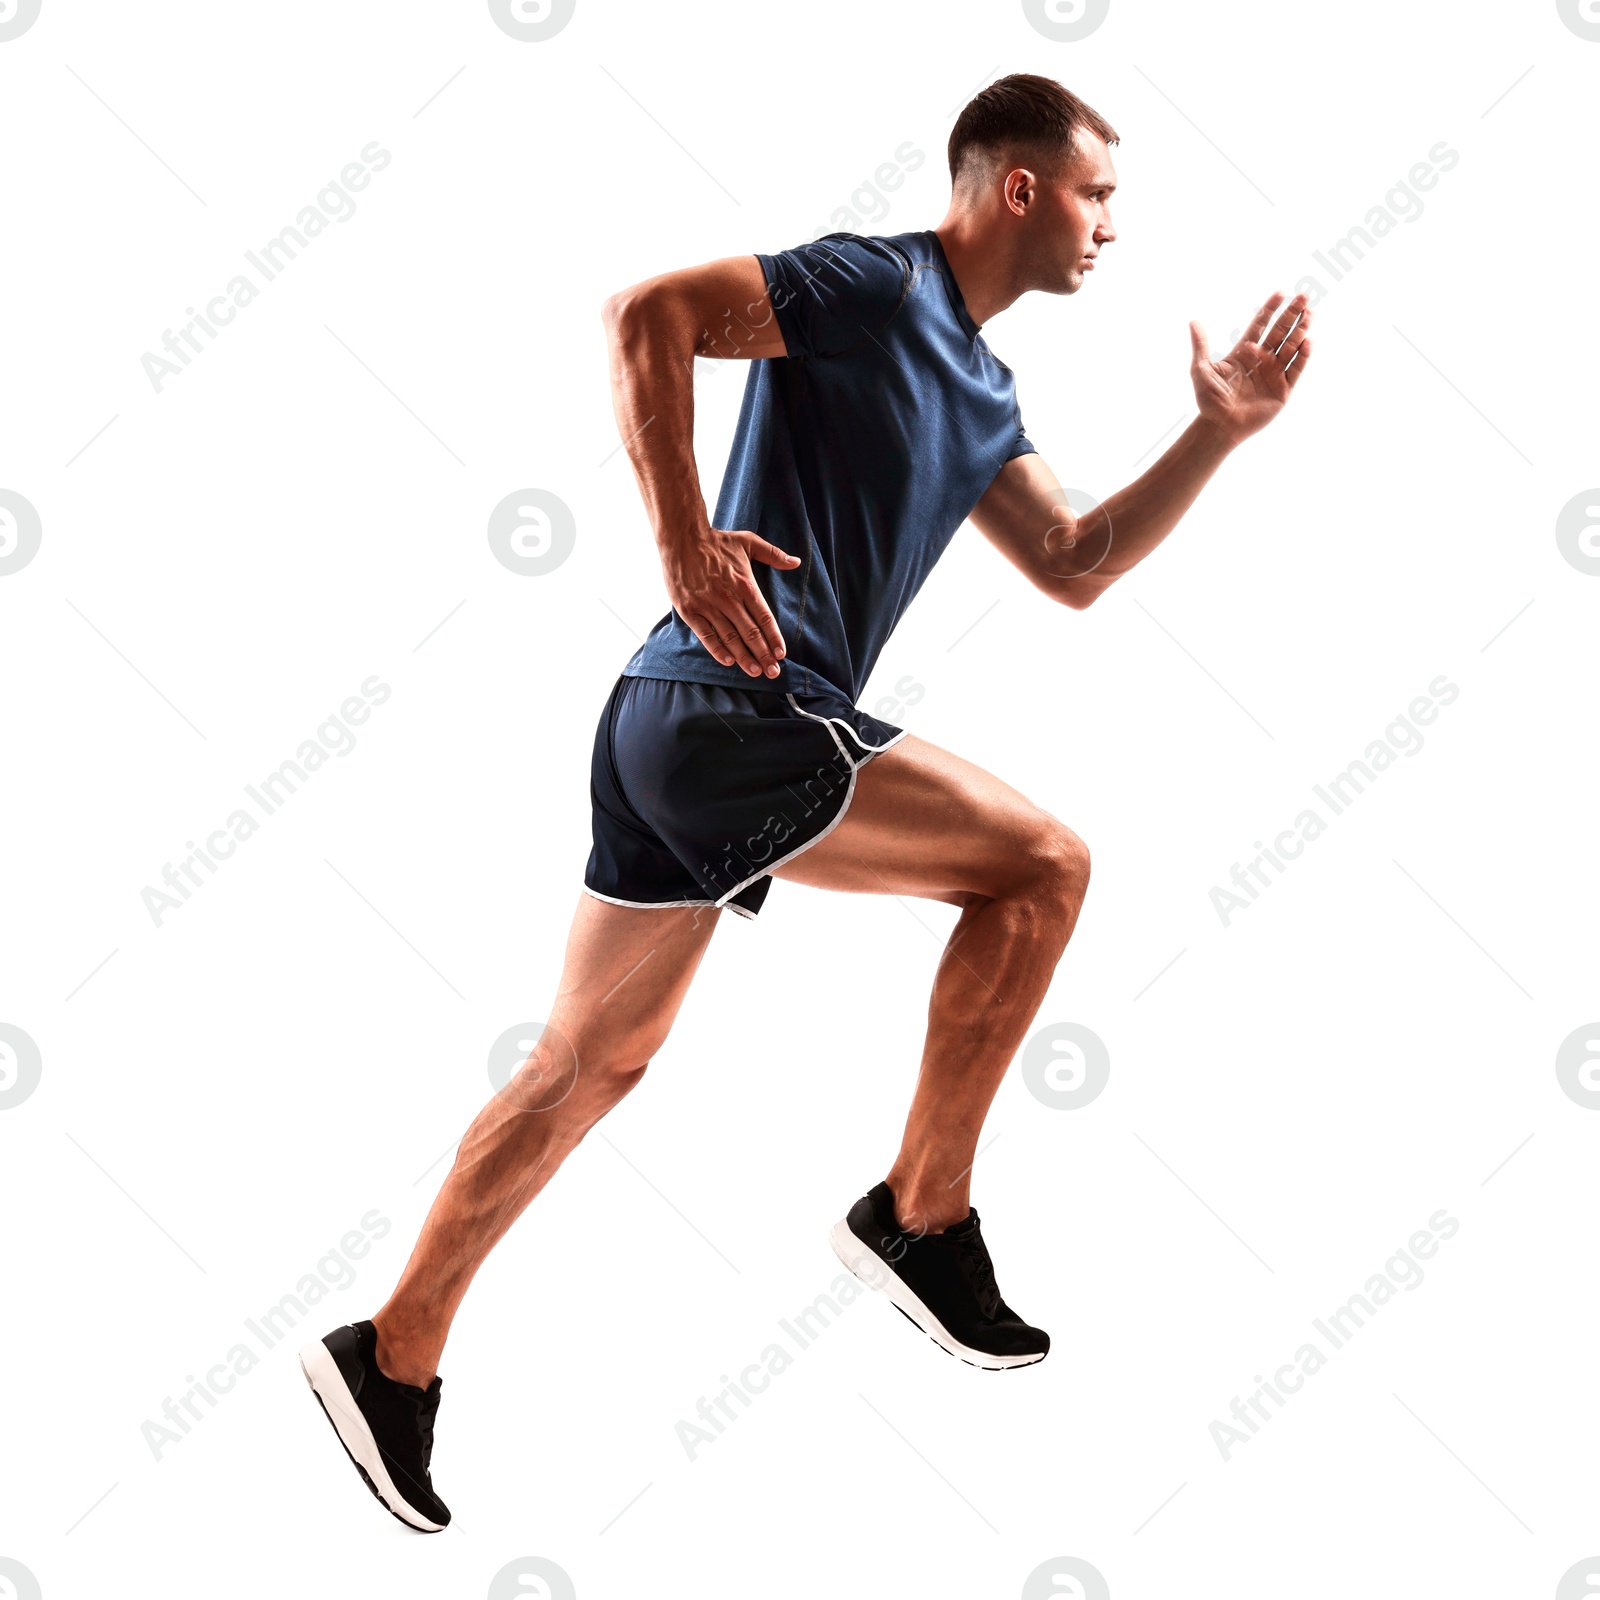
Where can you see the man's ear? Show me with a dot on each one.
(1021, 187)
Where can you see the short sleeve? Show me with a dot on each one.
(829, 295)
(1023, 446)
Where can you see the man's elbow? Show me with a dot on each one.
(1077, 594)
(612, 309)
(622, 312)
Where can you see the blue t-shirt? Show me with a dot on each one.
(862, 452)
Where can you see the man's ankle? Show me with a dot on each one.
(922, 1208)
(402, 1363)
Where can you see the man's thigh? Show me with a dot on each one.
(924, 822)
(625, 974)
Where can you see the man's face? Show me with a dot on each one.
(1071, 217)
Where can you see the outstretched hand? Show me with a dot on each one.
(713, 588)
(1250, 385)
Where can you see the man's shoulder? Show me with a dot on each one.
(879, 255)
(834, 290)
(908, 251)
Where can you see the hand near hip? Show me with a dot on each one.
(713, 588)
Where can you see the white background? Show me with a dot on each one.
(224, 1096)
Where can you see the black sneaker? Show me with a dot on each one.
(385, 1427)
(944, 1282)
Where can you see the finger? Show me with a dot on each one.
(1197, 343)
(772, 648)
(1292, 313)
(761, 550)
(744, 639)
(707, 632)
(1286, 351)
(760, 632)
(1258, 323)
(1292, 376)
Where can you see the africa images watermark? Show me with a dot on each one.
(1401, 738)
(867, 201)
(806, 1327)
(335, 1271)
(1401, 1271)
(745, 860)
(1401, 204)
(531, 21)
(333, 204)
(333, 738)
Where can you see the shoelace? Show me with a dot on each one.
(427, 1410)
(978, 1270)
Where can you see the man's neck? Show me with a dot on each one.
(985, 279)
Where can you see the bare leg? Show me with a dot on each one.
(926, 823)
(626, 973)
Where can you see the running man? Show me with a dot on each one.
(875, 422)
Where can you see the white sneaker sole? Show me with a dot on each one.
(876, 1273)
(328, 1385)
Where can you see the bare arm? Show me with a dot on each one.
(654, 331)
(1075, 558)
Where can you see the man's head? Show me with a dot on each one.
(1030, 164)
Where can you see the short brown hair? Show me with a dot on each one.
(1022, 112)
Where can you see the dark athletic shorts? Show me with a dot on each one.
(700, 791)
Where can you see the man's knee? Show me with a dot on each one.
(1058, 864)
(611, 1079)
(615, 1062)
(583, 1068)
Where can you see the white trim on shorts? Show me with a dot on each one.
(664, 905)
(849, 794)
(873, 749)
